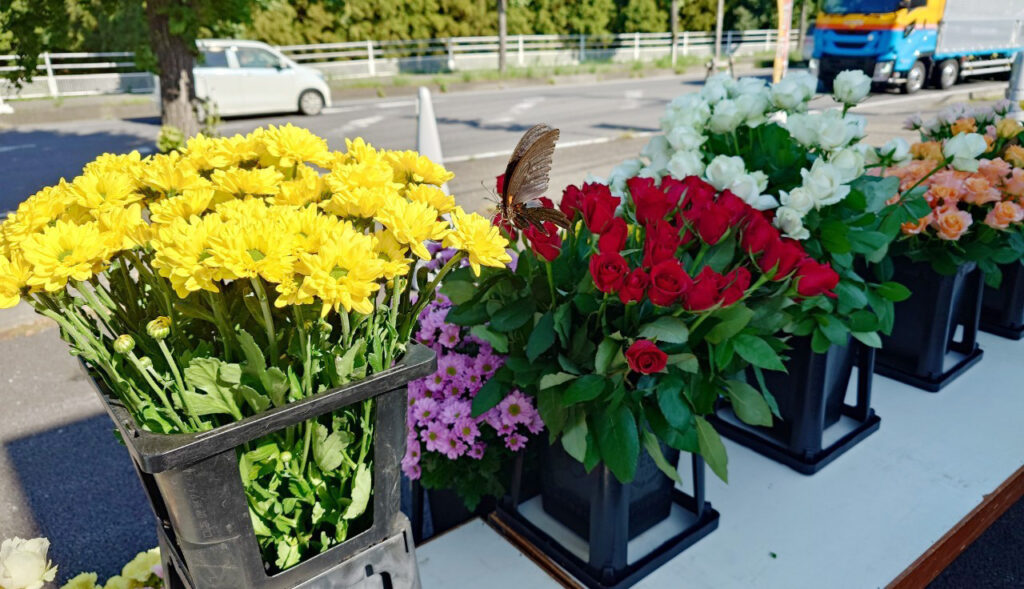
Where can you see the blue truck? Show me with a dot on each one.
(910, 43)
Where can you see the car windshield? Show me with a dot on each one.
(213, 57)
(251, 57)
(860, 6)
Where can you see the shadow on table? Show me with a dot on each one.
(83, 493)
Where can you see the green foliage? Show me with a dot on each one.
(642, 16)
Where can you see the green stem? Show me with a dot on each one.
(159, 390)
(941, 166)
(426, 295)
(268, 319)
(196, 421)
(551, 283)
(220, 321)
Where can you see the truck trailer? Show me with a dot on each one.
(908, 43)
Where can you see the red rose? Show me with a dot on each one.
(673, 189)
(711, 222)
(546, 202)
(609, 271)
(571, 199)
(651, 203)
(704, 293)
(548, 243)
(645, 357)
(499, 221)
(614, 237)
(758, 234)
(698, 192)
(735, 285)
(814, 279)
(782, 255)
(598, 207)
(735, 206)
(499, 184)
(661, 240)
(634, 287)
(668, 282)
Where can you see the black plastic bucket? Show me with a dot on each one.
(1002, 309)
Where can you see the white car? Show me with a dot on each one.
(250, 77)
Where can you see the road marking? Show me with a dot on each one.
(356, 124)
(515, 110)
(577, 143)
(633, 99)
(398, 104)
(13, 147)
(333, 110)
(937, 96)
(340, 109)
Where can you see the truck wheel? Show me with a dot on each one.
(311, 102)
(915, 78)
(946, 74)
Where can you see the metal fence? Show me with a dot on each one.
(80, 74)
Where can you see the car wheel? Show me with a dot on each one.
(915, 78)
(946, 74)
(311, 102)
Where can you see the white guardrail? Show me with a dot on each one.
(82, 74)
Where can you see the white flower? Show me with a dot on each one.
(23, 564)
(824, 184)
(685, 138)
(718, 87)
(807, 83)
(657, 151)
(869, 153)
(965, 149)
(797, 199)
(761, 178)
(913, 122)
(686, 110)
(622, 172)
(896, 149)
(791, 222)
(651, 172)
(751, 85)
(723, 171)
(748, 188)
(726, 117)
(833, 131)
(753, 105)
(857, 125)
(804, 128)
(851, 86)
(686, 163)
(849, 162)
(788, 95)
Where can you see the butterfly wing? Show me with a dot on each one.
(527, 178)
(528, 139)
(537, 216)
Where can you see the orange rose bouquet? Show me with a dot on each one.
(969, 167)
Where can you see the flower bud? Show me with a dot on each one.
(326, 328)
(159, 328)
(286, 457)
(145, 362)
(124, 344)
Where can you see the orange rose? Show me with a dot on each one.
(979, 191)
(965, 125)
(1015, 155)
(912, 228)
(1003, 214)
(1007, 129)
(928, 150)
(1014, 185)
(995, 170)
(951, 223)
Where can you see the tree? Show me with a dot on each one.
(642, 16)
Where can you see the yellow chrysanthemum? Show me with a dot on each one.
(431, 195)
(392, 253)
(307, 187)
(412, 223)
(358, 150)
(140, 568)
(171, 174)
(11, 283)
(125, 228)
(310, 228)
(289, 145)
(126, 163)
(209, 153)
(36, 212)
(344, 274)
(480, 239)
(239, 182)
(64, 251)
(250, 210)
(192, 201)
(249, 250)
(360, 202)
(410, 166)
(102, 191)
(182, 253)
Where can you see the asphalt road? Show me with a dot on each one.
(472, 125)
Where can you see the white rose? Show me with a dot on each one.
(718, 87)
(857, 125)
(806, 82)
(651, 172)
(804, 128)
(833, 132)
(688, 110)
(850, 164)
(748, 188)
(723, 170)
(797, 199)
(851, 86)
(791, 222)
(788, 95)
(869, 153)
(824, 184)
(686, 163)
(762, 179)
(657, 152)
(965, 149)
(751, 86)
(622, 172)
(685, 138)
(897, 149)
(23, 564)
(726, 117)
(753, 106)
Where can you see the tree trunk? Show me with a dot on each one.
(174, 58)
(803, 25)
(718, 31)
(502, 34)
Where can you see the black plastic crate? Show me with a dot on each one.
(1002, 309)
(195, 489)
(925, 331)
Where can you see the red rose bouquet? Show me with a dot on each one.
(628, 327)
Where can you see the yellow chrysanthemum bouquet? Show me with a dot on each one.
(242, 274)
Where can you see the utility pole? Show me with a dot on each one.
(803, 23)
(502, 34)
(718, 32)
(675, 31)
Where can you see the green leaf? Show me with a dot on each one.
(732, 320)
(893, 291)
(552, 380)
(563, 326)
(585, 388)
(513, 315)
(668, 329)
(748, 403)
(489, 396)
(549, 405)
(755, 350)
(345, 365)
(835, 236)
(654, 449)
(686, 362)
(328, 449)
(574, 437)
(362, 487)
(459, 291)
(465, 315)
(834, 329)
(606, 352)
(868, 338)
(851, 295)
(619, 442)
(542, 337)
(712, 449)
(498, 341)
(670, 400)
(219, 380)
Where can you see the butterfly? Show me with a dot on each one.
(526, 180)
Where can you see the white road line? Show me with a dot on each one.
(578, 143)
(4, 148)
(515, 110)
(340, 109)
(398, 104)
(633, 99)
(356, 124)
(929, 96)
